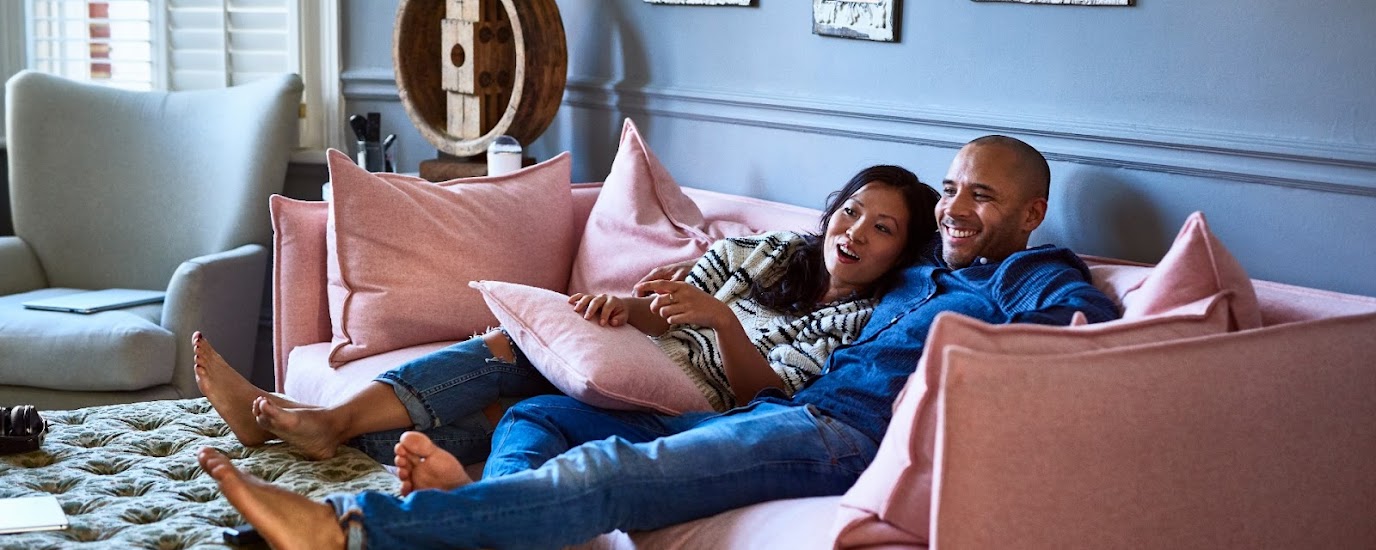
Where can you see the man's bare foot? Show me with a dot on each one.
(287, 520)
(313, 430)
(229, 392)
(422, 465)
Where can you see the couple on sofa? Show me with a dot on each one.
(561, 472)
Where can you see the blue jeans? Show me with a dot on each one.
(562, 472)
(445, 392)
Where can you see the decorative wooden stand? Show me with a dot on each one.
(447, 167)
(502, 69)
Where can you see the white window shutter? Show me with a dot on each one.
(186, 45)
(106, 41)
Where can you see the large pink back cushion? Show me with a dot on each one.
(301, 314)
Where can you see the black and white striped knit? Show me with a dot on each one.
(796, 347)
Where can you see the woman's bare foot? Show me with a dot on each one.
(287, 520)
(229, 392)
(422, 465)
(313, 430)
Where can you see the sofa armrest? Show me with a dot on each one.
(1254, 439)
(220, 295)
(21, 272)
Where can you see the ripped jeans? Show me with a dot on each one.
(445, 393)
(562, 472)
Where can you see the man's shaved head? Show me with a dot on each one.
(1031, 163)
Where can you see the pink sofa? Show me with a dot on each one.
(1275, 447)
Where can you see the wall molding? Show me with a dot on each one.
(1291, 163)
(369, 84)
(1299, 164)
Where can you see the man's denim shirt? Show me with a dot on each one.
(1044, 285)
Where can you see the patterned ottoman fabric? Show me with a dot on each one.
(127, 476)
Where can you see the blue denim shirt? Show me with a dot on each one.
(1044, 285)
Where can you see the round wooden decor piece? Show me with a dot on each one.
(469, 71)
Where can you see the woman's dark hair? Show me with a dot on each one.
(805, 278)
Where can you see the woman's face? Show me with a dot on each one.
(865, 238)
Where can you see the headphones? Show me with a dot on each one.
(21, 429)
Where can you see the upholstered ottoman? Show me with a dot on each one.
(127, 476)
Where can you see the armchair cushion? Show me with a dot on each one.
(402, 251)
(891, 502)
(641, 220)
(116, 350)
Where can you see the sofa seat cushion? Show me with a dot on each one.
(312, 380)
(796, 524)
(116, 350)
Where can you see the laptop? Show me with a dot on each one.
(23, 514)
(92, 301)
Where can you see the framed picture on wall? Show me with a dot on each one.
(1075, 2)
(860, 19)
(704, 2)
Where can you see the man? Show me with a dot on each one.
(562, 472)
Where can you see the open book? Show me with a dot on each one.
(23, 514)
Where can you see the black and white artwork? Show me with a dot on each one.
(1074, 2)
(704, 2)
(860, 19)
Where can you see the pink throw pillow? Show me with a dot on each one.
(609, 367)
(891, 502)
(641, 220)
(298, 270)
(1196, 266)
(402, 251)
(1253, 439)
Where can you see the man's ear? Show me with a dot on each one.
(1035, 213)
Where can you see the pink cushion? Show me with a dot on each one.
(891, 502)
(1196, 266)
(641, 220)
(1255, 439)
(299, 303)
(403, 251)
(314, 381)
(610, 367)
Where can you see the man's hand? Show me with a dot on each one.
(607, 310)
(671, 272)
(682, 303)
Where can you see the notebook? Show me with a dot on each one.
(92, 301)
(23, 514)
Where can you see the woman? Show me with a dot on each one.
(755, 313)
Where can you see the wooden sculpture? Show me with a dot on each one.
(469, 71)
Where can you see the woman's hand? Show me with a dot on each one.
(682, 303)
(607, 310)
(671, 272)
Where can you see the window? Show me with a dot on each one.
(194, 44)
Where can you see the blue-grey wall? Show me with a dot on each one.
(1261, 114)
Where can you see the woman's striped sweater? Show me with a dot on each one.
(796, 347)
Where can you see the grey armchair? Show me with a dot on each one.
(151, 190)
